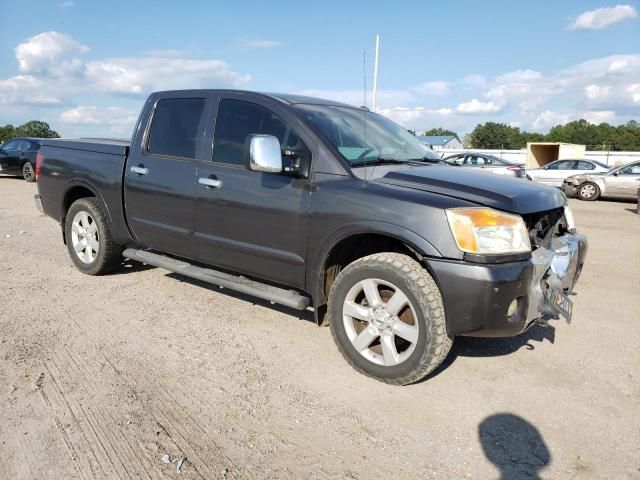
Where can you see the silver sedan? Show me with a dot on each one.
(620, 182)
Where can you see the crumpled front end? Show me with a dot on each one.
(504, 299)
(555, 267)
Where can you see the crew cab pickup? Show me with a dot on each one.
(313, 203)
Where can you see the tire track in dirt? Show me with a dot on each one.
(183, 432)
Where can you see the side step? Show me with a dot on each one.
(288, 298)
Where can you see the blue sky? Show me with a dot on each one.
(86, 66)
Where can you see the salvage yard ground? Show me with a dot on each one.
(100, 377)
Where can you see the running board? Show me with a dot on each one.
(288, 298)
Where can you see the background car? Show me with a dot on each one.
(489, 163)
(432, 157)
(18, 157)
(621, 182)
(554, 173)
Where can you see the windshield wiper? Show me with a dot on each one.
(378, 161)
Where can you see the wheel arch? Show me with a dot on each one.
(76, 190)
(355, 241)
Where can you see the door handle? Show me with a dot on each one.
(140, 170)
(210, 182)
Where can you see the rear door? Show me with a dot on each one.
(625, 183)
(160, 174)
(252, 222)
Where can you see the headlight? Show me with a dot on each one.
(568, 216)
(488, 231)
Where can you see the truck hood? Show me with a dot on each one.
(496, 191)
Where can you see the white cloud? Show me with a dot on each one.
(597, 92)
(43, 50)
(475, 80)
(437, 87)
(248, 43)
(26, 90)
(475, 107)
(603, 17)
(549, 118)
(634, 91)
(519, 76)
(96, 115)
(599, 116)
(142, 75)
(67, 4)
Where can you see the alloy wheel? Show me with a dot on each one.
(84, 237)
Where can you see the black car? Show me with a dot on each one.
(18, 157)
(489, 163)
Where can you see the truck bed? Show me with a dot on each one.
(110, 146)
(94, 164)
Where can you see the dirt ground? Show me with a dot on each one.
(100, 377)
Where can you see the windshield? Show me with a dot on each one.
(360, 135)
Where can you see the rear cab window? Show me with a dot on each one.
(174, 127)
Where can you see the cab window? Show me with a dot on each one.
(174, 127)
(561, 165)
(237, 120)
(585, 166)
(631, 170)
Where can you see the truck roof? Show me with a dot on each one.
(287, 98)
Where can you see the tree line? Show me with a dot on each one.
(34, 128)
(596, 137)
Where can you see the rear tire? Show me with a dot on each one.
(89, 239)
(28, 173)
(588, 192)
(397, 335)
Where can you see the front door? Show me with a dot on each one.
(247, 221)
(160, 177)
(10, 156)
(625, 183)
(556, 172)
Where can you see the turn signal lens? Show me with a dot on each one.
(488, 231)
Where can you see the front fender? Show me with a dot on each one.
(315, 268)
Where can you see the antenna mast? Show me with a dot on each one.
(375, 75)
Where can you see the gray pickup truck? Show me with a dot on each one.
(313, 203)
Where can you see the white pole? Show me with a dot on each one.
(375, 75)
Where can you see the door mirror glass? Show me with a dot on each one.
(263, 154)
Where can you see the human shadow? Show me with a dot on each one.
(514, 446)
(494, 347)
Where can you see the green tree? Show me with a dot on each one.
(439, 132)
(496, 135)
(7, 132)
(36, 128)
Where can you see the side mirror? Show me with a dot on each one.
(262, 153)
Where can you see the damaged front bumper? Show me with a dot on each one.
(502, 300)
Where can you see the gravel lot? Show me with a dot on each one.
(100, 377)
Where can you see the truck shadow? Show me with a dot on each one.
(494, 347)
(514, 446)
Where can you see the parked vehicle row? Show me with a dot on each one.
(488, 163)
(306, 202)
(18, 157)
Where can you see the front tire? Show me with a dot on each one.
(89, 239)
(588, 192)
(28, 173)
(387, 318)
